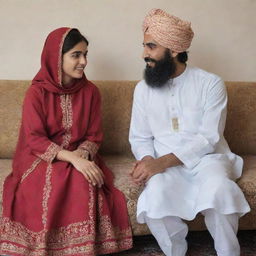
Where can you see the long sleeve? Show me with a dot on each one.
(140, 135)
(94, 133)
(195, 146)
(34, 125)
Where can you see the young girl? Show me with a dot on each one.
(60, 198)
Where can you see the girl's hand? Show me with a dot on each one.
(82, 153)
(90, 170)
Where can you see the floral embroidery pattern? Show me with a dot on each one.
(31, 169)
(50, 153)
(46, 194)
(80, 237)
(48, 156)
(90, 146)
(60, 57)
(66, 106)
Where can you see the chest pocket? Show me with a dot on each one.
(192, 119)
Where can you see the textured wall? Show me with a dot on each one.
(224, 40)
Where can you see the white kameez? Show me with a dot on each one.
(187, 118)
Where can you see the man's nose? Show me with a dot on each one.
(145, 54)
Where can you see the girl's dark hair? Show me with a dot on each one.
(183, 57)
(73, 37)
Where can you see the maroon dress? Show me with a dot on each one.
(49, 208)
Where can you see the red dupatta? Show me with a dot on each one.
(48, 79)
(50, 74)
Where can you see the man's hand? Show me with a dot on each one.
(145, 169)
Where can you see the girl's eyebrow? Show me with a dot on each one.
(78, 52)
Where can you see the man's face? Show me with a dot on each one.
(160, 64)
(153, 51)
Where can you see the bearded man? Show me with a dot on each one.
(176, 134)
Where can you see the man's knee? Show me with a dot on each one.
(215, 170)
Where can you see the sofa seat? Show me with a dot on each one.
(121, 165)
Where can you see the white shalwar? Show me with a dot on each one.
(186, 117)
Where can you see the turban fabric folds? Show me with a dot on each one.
(168, 30)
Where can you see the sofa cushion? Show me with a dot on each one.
(248, 182)
(11, 98)
(241, 122)
(5, 169)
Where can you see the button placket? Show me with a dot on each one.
(173, 110)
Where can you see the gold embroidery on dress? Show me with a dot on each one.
(48, 156)
(79, 237)
(31, 169)
(50, 153)
(89, 146)
(91, 202)
(46, 194)
(60, 57)
(106, 247)
(66, 106)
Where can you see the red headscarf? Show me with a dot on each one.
(50, 74)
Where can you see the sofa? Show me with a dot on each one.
(117, 97)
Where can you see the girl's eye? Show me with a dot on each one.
(75, 55)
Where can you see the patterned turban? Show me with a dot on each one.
(168, 30)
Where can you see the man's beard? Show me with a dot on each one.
(163, 70)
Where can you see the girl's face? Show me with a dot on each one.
(74, 62)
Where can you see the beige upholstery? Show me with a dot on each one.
(117, 101)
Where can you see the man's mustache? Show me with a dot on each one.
(147, 59)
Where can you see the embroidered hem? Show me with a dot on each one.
(75, 239)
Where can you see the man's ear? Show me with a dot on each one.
(173, 54)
